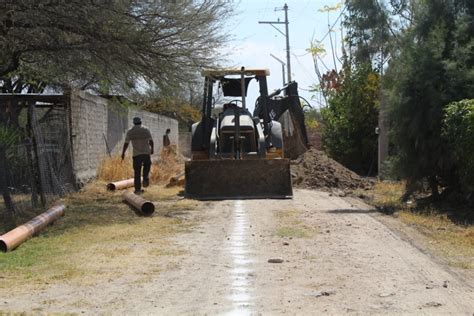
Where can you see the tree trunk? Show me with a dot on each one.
(33, 182)
(434, 187)
(36, 174)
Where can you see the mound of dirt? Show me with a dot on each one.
(315, 170)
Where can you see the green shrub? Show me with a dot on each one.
(458, 130)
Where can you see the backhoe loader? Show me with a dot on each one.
(236, 154)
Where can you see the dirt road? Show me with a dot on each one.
(337, 258)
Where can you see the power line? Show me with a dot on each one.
(305, 71)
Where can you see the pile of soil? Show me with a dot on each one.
(315, 170)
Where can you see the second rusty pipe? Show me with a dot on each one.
(112, 186)
(17, 236)
(146, 208)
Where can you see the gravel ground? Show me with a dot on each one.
(315, 253)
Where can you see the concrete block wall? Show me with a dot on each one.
(97, 127)
(88, 127)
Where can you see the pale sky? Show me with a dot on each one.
(253, 42)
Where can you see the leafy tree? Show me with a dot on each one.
(432, 68)
(350, 119)
(352, 94)
(117, 42)
(312, 119)
(458, 130)
(368, 32)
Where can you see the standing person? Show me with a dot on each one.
(166, 139)
(142, 144)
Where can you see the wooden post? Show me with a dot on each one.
(9, 215)
(36, 166)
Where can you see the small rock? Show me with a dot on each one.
(445, 284)
(349, 224)
(320, 293)
(286, 243)
(429, 287)
(432, 304)
(275, 260)
(386, 294)
(328, 231)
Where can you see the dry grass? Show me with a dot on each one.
(166, 166)
(452, 241)
(99, 238)
(387, 194)
(289, 225)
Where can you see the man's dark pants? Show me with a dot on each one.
(138, 162)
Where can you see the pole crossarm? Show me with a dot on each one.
(271, 22)
(285, 34)
(276, 28)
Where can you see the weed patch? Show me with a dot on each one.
(453, 241)
(290, 225)
(99, 237)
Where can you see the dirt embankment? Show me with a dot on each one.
(315, 170)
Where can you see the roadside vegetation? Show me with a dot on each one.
(448, 228)
(98, 239)
(410, 65)
(168, 164)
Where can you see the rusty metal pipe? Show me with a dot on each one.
(145, 207)
(17, 236)
(112, 186)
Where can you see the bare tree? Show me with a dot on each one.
(117, 42)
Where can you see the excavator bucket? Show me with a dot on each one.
(234, 179)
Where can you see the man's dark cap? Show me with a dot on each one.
(137, 120)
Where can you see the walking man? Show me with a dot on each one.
(142, 144)
(166, 138)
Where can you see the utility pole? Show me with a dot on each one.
(282, 67)
(286, 34)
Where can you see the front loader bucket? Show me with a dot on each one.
(232, 179)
